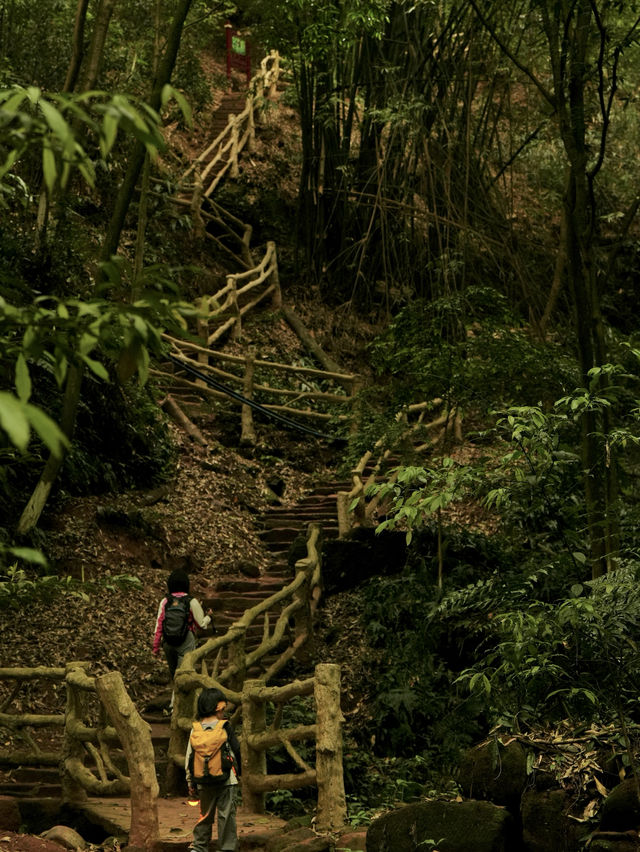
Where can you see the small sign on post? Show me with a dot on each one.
(238, 52)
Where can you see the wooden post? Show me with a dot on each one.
(356, 404)
(195, 208)
(236, 331)
(135, 736)
(276, 299)
(254, 762)
(202, 327)
(342, 505)
(274, 74)
(248, 434)
(238, 658)
(235, 171)
(359, 512)
(72, 749)
(252, 126)
(246, 246)
(303, 619)
(332, 805)
(182, 709)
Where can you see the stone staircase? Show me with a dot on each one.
(283, 532)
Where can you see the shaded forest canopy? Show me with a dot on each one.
(449, 188)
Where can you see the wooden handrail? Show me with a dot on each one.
(239, 133)
(273, 365)
(299, 593)
(353, 507)
(129, 731)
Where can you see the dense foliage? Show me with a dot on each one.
(463, 179)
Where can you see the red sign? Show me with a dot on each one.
(238, 52)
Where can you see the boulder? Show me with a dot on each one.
(621, 809)
(615, 841)
(496, 773)
(65, 836)
(546, 824)
(356, 841)
(287, 839)
(470, 826)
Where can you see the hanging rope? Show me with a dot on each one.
(286, 421)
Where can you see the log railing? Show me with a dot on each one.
(258, 738)
(257, 703)
(81, 731)
(223, 311)
(357, 507)
(99, 725)
(221, 156)
(224, 660)
(295, 394)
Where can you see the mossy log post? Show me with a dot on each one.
(135, 736)
(305, 595)
(276, 299)
(254, 761)
(73, 790)
(236, 329)
(332, 806)
(248, 434)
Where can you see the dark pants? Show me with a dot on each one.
(175, 653)
(223, 800)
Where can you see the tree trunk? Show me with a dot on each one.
(176, 413)
(314, 349)
(90, 73)
(40, 495)
(78, 46)
(135, 737)
(136, 160)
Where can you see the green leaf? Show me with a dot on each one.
(109, 133)
(49, 168)
(12, 156)
(96, 367)
(14, 421)
(169, 92)
(12, 101)
(56, 122)
(29, 554)
(23, 379)
(48, 430)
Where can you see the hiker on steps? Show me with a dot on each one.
(179, 615)
(212, 765)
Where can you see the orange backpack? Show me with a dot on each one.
(211, 756)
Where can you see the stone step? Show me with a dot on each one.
(28, 790)
(298, 509)
(278, 533)
(234, 601)
(318, 500)
(241, 584)
(299, 521)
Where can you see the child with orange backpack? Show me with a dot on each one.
(212, 766)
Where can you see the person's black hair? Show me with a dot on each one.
(178, 581)
(208, 701)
